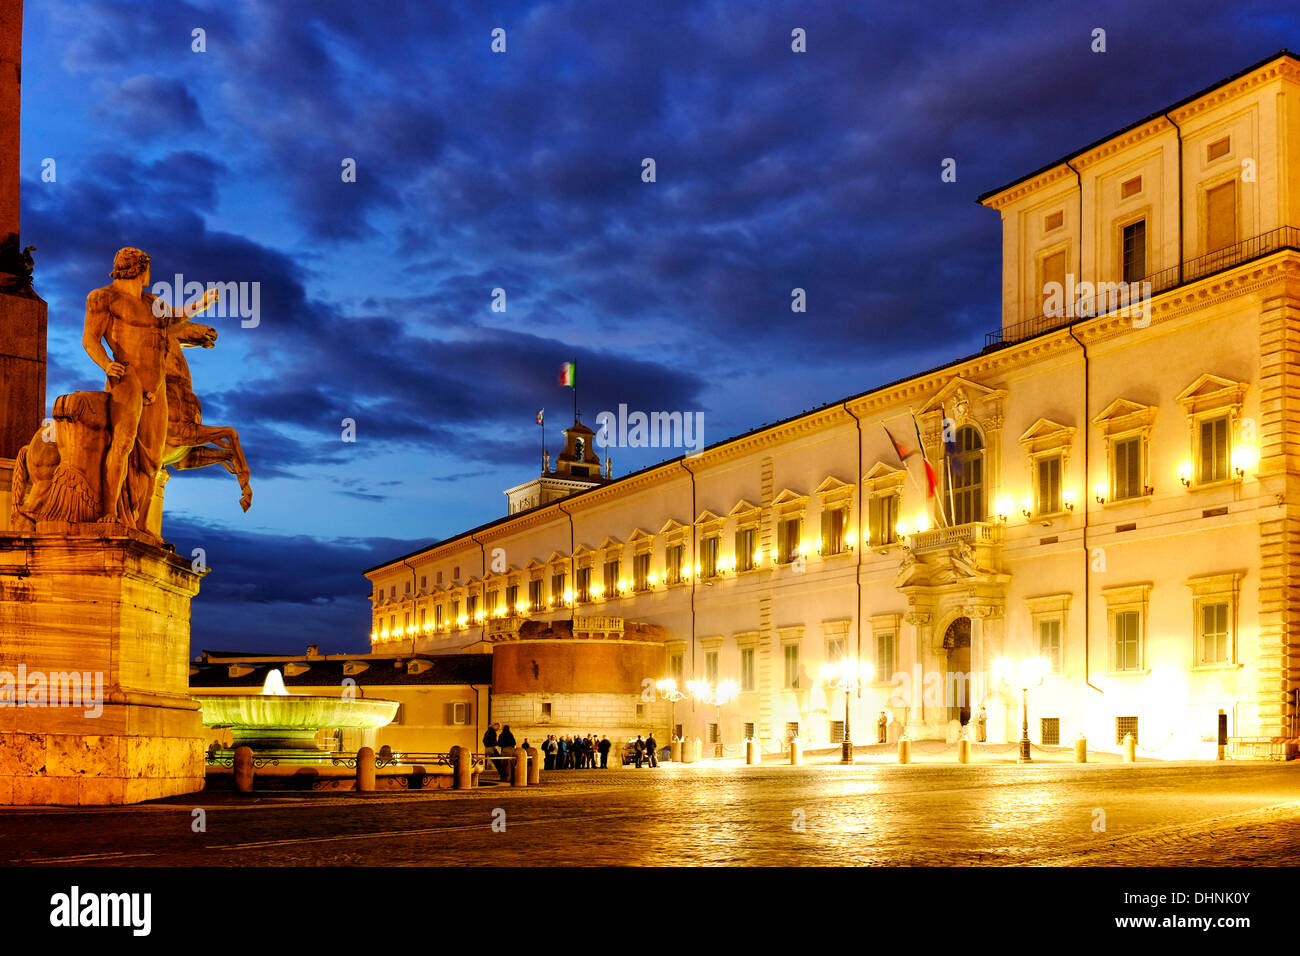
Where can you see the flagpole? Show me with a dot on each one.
(543, 441)
(575, 391)
(938, 500)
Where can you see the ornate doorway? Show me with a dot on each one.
(956, 644)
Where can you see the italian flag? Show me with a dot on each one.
(569, 374)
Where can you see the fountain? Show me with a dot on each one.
(278, 720)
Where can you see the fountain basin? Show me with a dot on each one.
(290, 721)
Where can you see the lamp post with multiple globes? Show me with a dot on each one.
(716, 693)
(667, 689)
(1026, 673)
(847, 674)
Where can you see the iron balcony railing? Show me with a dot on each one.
(1193, 270)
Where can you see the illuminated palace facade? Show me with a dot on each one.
(1117, 495)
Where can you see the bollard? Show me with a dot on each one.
(698, 748)
(244, 769)
(796, 752)
(904, 750)
(1130, 749)
(675, 751)
(752, 754)
(963, 750)
(365, 770)
(1080, 749)
(463, 762)
(534, 766)
(688, 752)
(519, 768)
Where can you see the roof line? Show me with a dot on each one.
(1142, 122)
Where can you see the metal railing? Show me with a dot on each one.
(1192, 270)
(306, 758)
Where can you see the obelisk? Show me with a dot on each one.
(22, 312)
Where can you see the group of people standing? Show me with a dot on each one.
(575, 753)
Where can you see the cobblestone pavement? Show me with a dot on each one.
(711, 814)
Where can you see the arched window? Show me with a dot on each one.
(967, 470)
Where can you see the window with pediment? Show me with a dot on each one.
(1126, 431)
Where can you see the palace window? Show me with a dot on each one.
(709, 556)
(835, 649)
(711, 666)
(1126, 627)
(439, 579)
(677, 667)
(583, 580)
(885, 645)
(1218, 149)
(1049, 731)
(493, 601)
(883, 519)
(747, 682)
(967, 477)
(788, 534)
(1047, 486)
(1052, 268)
(1124, 727)
(673, 558)
(1221, 216)
(611, 577)
(1134, 243)
(1126, 468)
(746, 543)
(437, 616)
(1214, 614)
(834, 521)
(790, 656)
(559, 580)
(1215, 638)
(1049, 642)
(535, 594)
(455, 612)
(512, 598)
(641, 571)
(472, 606)
(1212, 450)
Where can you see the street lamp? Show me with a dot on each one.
(847, 674)
(1025, 673)
(716, 693)
(668, 691)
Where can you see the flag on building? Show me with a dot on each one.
(541, 416)
(569, 374)
(905, 449)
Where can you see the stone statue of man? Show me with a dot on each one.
(136, 326)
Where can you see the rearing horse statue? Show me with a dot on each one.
(190, 443)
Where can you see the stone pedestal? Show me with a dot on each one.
(103, 603)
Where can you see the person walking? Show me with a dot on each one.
(604, 753)
(638, 751)
(506, 742)
(651, 747)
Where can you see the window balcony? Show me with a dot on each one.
(977, 534)
(1192, 270)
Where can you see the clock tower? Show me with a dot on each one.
(577, 468)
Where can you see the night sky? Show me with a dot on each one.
(523, 171)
